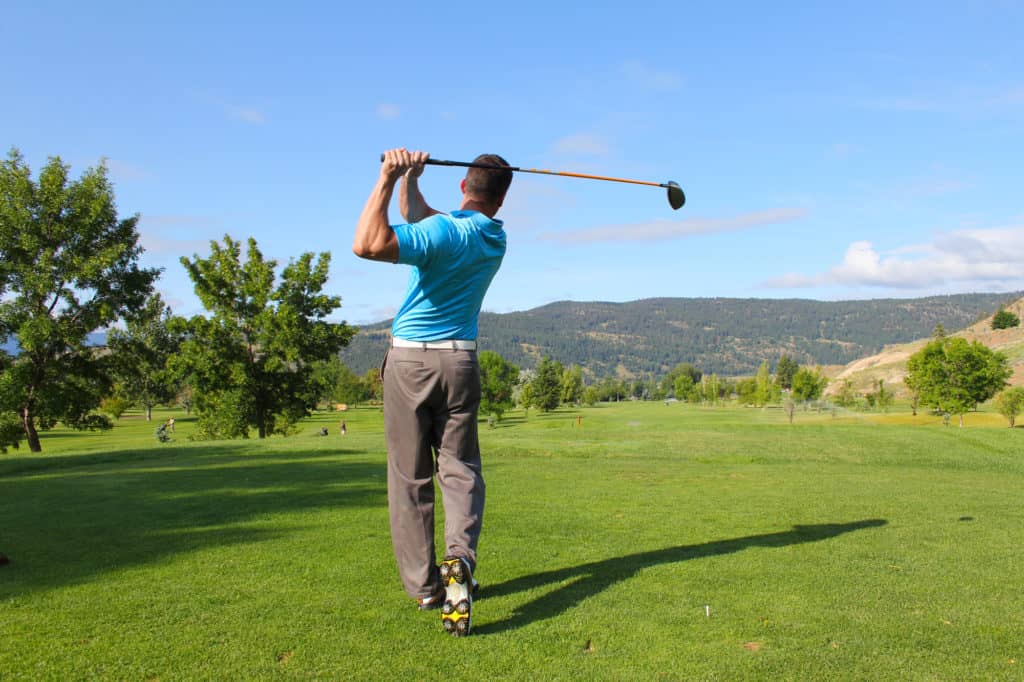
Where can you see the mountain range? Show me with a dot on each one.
(727, 336)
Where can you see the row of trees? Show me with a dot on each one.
(69, 266)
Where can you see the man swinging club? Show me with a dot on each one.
(431, 374)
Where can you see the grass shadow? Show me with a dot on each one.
(80, 516)
(592, 578)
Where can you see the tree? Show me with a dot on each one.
(669, 382)
(1011, 403)
(374, 385)
(251, 361)
(68, 267)
(115, 405)
(683, 387)
(884, 397)
(334, 381)
(140, 355)
(846, 396)
(497, 382)
(954, 376)
(785, 370)
(712, 387)
(746, 391)
(1004, 319)
(572, 385)
(808, 385)
(766, 391)
(546, 387)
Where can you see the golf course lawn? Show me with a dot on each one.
(621, 542)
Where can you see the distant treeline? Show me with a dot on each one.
(727, 336)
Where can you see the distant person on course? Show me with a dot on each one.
(431, 374)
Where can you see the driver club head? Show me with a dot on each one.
(676, 197)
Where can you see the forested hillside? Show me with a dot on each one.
(727, 336)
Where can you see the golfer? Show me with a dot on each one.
(431, 374)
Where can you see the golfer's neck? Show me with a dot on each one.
(488, 210)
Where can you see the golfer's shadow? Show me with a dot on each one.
(592, 578)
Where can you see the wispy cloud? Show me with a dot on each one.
(650, 77)
(663, 230)
(388, 112)
(582, 143)
(249, 115)
(978, 255)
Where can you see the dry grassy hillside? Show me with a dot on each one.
(891, 364)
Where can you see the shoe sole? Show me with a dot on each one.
(457, 612)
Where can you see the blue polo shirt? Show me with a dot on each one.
(454, 259)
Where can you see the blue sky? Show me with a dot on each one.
(827, 150)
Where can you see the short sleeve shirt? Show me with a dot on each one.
(454, 258)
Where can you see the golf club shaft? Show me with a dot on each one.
(468, 164)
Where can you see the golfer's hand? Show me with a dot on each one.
(399, 162)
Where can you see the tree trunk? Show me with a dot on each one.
(31, 435)
(149, 413)
(961, 420)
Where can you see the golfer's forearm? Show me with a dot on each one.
(411, 203)
(374, 237)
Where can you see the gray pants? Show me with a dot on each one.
(431, 400)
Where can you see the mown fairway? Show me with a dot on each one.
(637, 541)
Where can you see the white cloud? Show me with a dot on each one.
(249, 115)
(965, 256)
(649, 77)
(581, 144)
(662, 230)
(388, 112)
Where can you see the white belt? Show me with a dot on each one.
(450, 344)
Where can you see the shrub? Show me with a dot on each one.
(1004, 319)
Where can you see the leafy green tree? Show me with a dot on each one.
(572, 385)
(547, 385)
(683, 388)
(767, 390)
(712, 387)
(785, 370)
(669, 382)
(954, 375)
(68, 267)
(590, 396)
(808, 385)
(498, 379)
(914, 382)
(1010, 403)
(140, 354)
(746, 391)
(251, 361)
(885, 397)
(335, 382)
(115, 405)
(526, 391)
(374, 385)
(1004, 319)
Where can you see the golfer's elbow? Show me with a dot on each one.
(376, 249)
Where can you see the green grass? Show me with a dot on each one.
(642, 541)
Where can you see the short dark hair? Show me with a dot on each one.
(486, 183)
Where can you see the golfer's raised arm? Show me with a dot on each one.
(411, 203)
(374, 237)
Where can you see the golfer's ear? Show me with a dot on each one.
(462, 185)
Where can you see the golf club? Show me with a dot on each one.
(676, 197)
